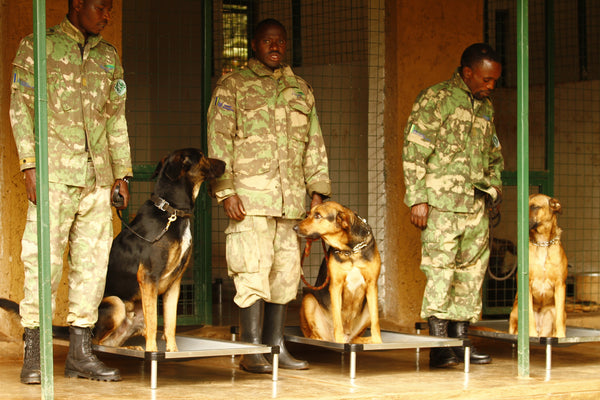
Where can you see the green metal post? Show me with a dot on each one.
(43, 203)
(205, 252)
(523, 183)
(549, 104)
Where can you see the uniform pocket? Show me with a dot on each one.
(61, 95)
(254, 144)
(242, 252)
(298, 114)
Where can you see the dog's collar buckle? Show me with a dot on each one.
(161, 204)
(548, 243)
(355, 249)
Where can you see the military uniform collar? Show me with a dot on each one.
(262, 70)
(70, 30)
(457, 81)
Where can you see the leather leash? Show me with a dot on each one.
(304, 255)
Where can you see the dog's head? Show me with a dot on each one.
(337, 225)
(186, 168)
(543, 212)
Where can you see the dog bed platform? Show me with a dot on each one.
(498, 329)
(390, 341)
(190, 348)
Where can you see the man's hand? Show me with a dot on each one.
(234, 208)
(122, 188)
(418, 215)
(30, 185)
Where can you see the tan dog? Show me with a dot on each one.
(547, 271)
(353, 264)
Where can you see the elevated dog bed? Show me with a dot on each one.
(189, 348)
(498, 330)
(391, 341)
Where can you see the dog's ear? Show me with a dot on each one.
(159, 167)
(342, 219)
(172, 169)
(359, 226)
(555, 206)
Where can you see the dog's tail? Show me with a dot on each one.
(9, 306)
(12, 307)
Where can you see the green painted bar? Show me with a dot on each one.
(549, 103)
(203, 229)
(523, 183)
(43, 202)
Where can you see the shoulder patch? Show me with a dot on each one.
(222, 104)
(108, 67)
(496, 141)
(120, 87)
(417, 137)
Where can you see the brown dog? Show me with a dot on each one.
(149, 257)
(353, 264)
(547, 271)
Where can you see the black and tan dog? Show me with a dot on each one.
(345, 311)
(548, 269)
(149, 257)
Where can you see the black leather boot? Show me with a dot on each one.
(30, 373)
(459, 329)
(440, 357)
(251, 332)
(81, 361)
(273, 336)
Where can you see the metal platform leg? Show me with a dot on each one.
(153, 373)
(352, 364)
(275, 366)
(467, 358)
(548, 356)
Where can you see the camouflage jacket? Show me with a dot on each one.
(264, 125)
(450, 148)
(86, 107)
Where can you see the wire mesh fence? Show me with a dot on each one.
(564, 116)
(337, 47)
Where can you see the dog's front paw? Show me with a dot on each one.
(533, 332)
(172, 348)
(376, 339)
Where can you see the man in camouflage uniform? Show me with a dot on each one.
(452, 165)
(263, 123)
(88, 152)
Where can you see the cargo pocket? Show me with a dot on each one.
(241, 242)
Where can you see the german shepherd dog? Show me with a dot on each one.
(548, 270)
(149, 256)
(344, 312)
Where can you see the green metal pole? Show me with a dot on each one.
(523, 183)
(43, 203)
(205, 253)
(549, 104)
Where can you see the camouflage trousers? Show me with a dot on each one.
(81, 218)
(263, 258)
(454, 258)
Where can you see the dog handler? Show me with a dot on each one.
(263, 123)
(88, 147)
(452, 166)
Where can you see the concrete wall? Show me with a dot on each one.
(16, 21)
(424, 41)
